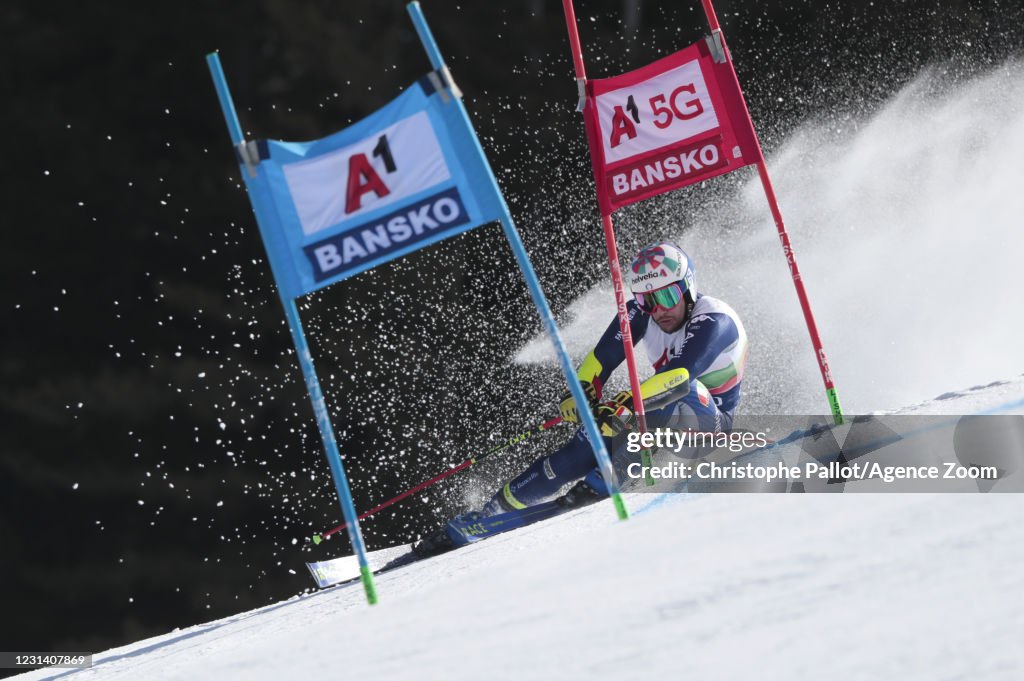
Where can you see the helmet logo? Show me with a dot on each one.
(649, 257)
(654, 259)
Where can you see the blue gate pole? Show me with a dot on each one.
(291, 311)
(543, 309)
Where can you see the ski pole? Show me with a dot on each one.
(516, 439)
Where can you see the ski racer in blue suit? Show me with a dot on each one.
(689, 337)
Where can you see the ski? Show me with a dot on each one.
(346, 568)
(472, 528)
(458, 532)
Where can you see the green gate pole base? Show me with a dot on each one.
(368, 585)
(837, 410)
(620, 506)
(645, 461)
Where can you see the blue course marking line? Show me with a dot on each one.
(1003, 407)
(665, 498)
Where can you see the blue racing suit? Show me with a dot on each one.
(711, 345)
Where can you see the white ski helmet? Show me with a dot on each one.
(659, 265)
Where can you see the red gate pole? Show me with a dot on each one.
(609, 231)
(794, 270)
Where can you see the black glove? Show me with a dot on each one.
(624, 399)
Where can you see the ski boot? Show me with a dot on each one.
(441, 540)
(433, 544)
(589, 490)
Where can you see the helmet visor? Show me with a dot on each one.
(667, 298)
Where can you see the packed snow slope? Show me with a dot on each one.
(909, 586)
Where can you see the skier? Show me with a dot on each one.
(692, 340)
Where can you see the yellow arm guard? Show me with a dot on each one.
(667, 382)
(590, 370)
(658, 390)
(589, 375)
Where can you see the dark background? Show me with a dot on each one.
(159, 462)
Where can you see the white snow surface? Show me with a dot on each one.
(715, 586)
(863, 586)
(998, 397)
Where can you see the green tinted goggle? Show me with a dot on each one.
(667, 298)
